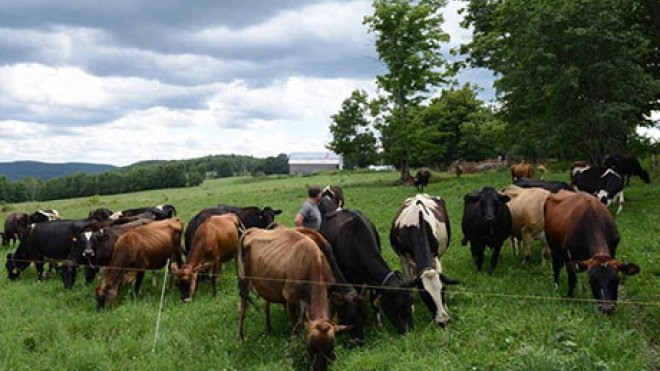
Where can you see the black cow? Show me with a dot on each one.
(422, 179)
(486, 222)
(93, 249)
(627, 165)
(420, 235)
(52, 240)
(603, 183)
(250, 217)
(335, 193)
(159, 212)
(582, 235)
(15, 225)
(356, 246)
(553, 186)
(41, 216)
(101, 213)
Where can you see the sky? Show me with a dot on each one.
(120, 82)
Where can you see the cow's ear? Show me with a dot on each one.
(471, 197)
(504, 198)
(341, 328)
(629, 269)
(578, 266)
(277, 212)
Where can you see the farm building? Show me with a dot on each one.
(310, 162)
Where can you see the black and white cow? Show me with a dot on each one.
(335, 193)
(101, 213)
(486, 222)
(627, 165)
(605, 184)
(41, 216)
(159, 212)
(420, 235)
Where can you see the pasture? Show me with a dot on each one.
(511, 320)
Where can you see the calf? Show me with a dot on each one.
(285, 266)
(522, 170)
(603, 183)
(215, 242)
(142, 248)
(422, 179)
(553, 186)
(527, 219)
(15, 225)
(486, 222)
(420, 235)
(583, 236)
(52, 240)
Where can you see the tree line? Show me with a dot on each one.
(141, 176)
(573, 79)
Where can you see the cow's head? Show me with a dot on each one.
(15, 266)
(267, 216)
(105, 296)
(604, 279)
(397, 303)
(490, 202)
(327, 205)
(350, 310)
(186, 280)
(320, 342)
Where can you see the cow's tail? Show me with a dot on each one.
(241, 261)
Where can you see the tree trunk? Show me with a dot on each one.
(405, 170)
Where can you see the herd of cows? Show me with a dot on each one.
(334, 270)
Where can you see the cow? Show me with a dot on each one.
(420, 235)
(101, 213)
(605, 184)
(93, 248)
(522, 170)
(627, 165)
(527, 218)
(576, 167)
(52, 240)
(15, 225)
(286, 266)
(356, 247)
(159, 212)
(142, 248)
(41, 216)
(345, 300)
(583, 237)
(422, 179)
(335, 193)
(215, 242)
(553, 186)
(249, 216)
(486, 222)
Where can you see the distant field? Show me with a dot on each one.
(510, 320)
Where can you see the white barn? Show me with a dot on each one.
(301, 163)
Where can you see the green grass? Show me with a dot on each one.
(43, 326)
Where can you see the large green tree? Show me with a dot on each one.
(579, 74)
(352, 136)
(408, 40)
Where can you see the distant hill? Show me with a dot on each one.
(41, 170)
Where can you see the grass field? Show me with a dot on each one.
(510, 320)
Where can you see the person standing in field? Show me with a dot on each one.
(309, 214)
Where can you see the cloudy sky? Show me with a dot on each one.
(125, 81)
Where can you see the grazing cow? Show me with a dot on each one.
(249, 216)
(486, 221)
(159, 212)
(41, 216)
(522, 170)
(527, 219)
(15, 225)
(356, 247)
(627, 165)
(422, 179)
(583, 236)
(553, 186)
(285, 266)
(603, 183)
(345, 300)
(544, 171)
(146, 247)
(215, 242)
(420, 235)
(93, 248)
(52, 240)
(100, 214)
(335, 193)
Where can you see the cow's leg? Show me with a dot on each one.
(527, 242)
(495, 257)
(269, 327)
(242, 305)
(557, 263)
(572, 280)
(438, 267)
(90, 274)
(214, 279)
(514, 245)
(621, 201)
(477, 249)
(139, 276)
(39, 265)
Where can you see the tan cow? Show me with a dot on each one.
(521, 170)
(527, 218)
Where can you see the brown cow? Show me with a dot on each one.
(522, 170)
(140, 249)
(285, 266)
(527, 218)
(215, 242)
(581, 233)
(15, 225)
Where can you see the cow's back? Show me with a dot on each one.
(218, 234)
(527, 209)
(148, 246)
